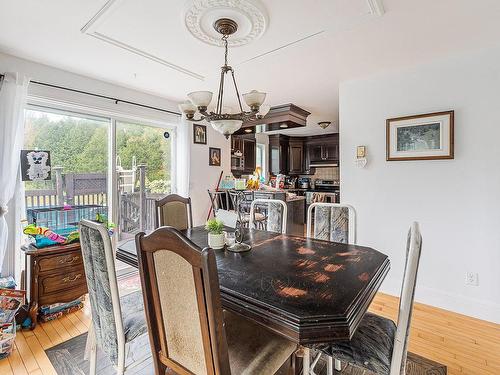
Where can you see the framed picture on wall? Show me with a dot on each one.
(421, 137)
(214, 156)
(199, 134)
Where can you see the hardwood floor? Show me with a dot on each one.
(466, 345)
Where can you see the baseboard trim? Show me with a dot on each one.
(480, 309)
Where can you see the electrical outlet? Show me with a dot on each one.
(472, 278)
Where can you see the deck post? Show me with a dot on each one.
(59, 185)
(142, 197)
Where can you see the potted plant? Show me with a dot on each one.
(215, 229)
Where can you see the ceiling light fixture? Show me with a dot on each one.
(324, 124)
(225, 123)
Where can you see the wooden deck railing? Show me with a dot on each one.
(136, 209)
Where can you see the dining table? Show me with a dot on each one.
(307, 290)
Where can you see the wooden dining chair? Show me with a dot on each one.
(277, 214)
(174, 211)
(332, 222)
(118, 326)
(378, 345)
(188, 330)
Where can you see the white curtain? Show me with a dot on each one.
(13, 95)
(183, 157)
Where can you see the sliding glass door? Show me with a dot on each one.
(143, 172)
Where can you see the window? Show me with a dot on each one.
(81, 149)
(260, 158)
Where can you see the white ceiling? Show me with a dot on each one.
(143, 44)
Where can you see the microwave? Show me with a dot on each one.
(237, 162)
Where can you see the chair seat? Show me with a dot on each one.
(134, 318)
(370, 348)
(253, 349)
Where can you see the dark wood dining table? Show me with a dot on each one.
(310, 291)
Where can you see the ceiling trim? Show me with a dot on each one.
(90, 29)
(376, 7)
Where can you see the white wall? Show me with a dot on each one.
(457, 202)
(205, 177)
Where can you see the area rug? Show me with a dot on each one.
(67, 359)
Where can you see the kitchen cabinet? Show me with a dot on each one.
(278, 154)
(249, 151)
(246, 145)
(296, 156)
(322, 150)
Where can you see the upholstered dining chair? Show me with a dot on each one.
(332, 222)
(174, 210)
(189, 331)
(118, 324)
(277, 214)
(378, 345)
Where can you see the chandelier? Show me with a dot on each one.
(224, 123)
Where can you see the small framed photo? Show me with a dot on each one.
(199, 134)
(421, 137)
(214, 156)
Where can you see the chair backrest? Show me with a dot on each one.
(332, 222)
(218, 200)
(98, 261)
(229, 218)
(413, 249)
(183, 307)
(174, 211)
(277, 214)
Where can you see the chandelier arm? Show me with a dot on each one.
(221, 92)
(237, 92)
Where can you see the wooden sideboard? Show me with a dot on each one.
(53, 274)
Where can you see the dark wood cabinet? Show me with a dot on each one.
(296, 156)
(322, 150)
(249, 151)
(53, 274)
(278, 154)
(246, 145)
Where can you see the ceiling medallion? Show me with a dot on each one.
(225, 123)
(248, 14)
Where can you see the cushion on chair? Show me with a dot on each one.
(370, 348)
(253, 349)
(134, 318)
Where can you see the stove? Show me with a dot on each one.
(326, 185)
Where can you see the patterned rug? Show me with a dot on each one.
(67, 357)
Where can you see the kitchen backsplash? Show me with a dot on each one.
(330, 173)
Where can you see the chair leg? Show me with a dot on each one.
(338, 365)
(329, 365)
(306, 361)
(91, 350)
(314, 363)
(120, 368)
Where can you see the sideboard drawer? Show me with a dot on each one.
(63, 281)
(49, 263)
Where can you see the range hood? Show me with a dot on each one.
(280, 117)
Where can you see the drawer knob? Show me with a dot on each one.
(69, 279)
